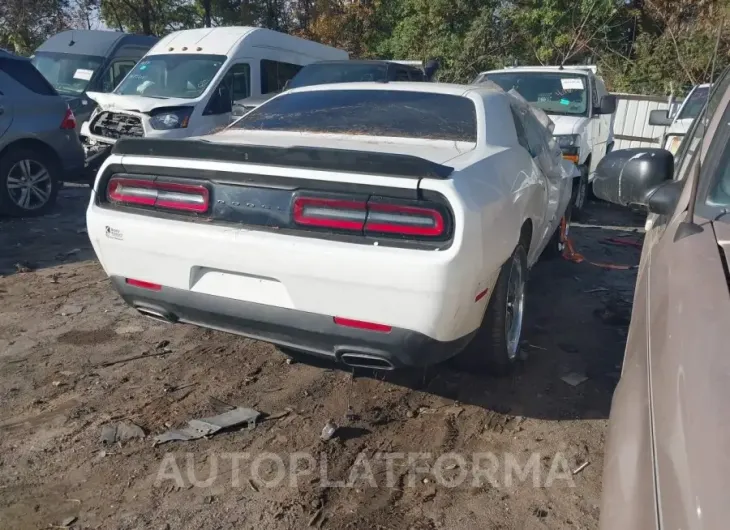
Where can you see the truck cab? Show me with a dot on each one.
(576, 100)
(76, 62)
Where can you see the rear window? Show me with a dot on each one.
(27, 75)
(368, 112)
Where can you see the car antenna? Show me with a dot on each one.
(689, 227)
(72, 41)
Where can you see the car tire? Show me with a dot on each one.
(555, 246)
(581, 193)
(28, 183)
(496, 347)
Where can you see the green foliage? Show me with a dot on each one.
(647, 46)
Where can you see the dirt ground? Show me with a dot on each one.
(60, 322)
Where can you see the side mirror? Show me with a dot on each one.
(607, 105)
(659, 118)
(638, 176)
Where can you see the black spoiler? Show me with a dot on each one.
(321, 158)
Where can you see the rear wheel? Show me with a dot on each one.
(496, 346)
(28, 183)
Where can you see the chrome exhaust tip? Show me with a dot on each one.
(155, 314)
(363, 360)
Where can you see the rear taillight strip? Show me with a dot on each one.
(369, 217)
(166, 195)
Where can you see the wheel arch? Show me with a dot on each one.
(32, 144)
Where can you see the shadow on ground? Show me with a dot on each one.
(576, 323)
(59, 237)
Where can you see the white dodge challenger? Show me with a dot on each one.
(381, 225)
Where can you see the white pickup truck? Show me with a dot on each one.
(576, 100)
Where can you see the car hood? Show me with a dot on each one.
(566, 124)
(457, 154)
(135, 103)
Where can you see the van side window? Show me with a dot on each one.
(274, 75)
(239, 79)
(594, 94)
(117, 71)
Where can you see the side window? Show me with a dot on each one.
(520, 128)
(274, 75)
(239, 79)
(401, 74)
(234, 86)
(117, 71)
(26, 74)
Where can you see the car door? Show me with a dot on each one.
(688, 309)
(6, 110)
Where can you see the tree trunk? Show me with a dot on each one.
(206, 13)
(146, 17)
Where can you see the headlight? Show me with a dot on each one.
(171, 119)
(566, 141)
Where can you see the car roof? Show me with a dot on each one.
(581, 70)
(99, 43)
(404, 86)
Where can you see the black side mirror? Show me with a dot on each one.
(607, 105)
(659, 118)
(638, 176)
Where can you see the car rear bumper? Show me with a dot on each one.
(310, 333)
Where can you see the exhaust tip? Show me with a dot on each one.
(363, 360)
(155, 314)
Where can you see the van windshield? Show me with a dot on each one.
(555, 93)
(171, 76)
(69, 74)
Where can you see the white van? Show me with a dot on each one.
(576, 100)
(186, 84)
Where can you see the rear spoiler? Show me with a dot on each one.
(320, 158)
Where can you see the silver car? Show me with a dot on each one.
(39, 146)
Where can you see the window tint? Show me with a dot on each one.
(26, 74)
(368, 112)
(274, 75)
(339, 72)
(594, 94)
(401, 74)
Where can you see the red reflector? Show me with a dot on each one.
(405, 220)
(69, 120)
(481, 295)
(330, 213)
(167, 195)
(370, 326)
(144, 285)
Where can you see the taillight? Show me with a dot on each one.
(404, 220)
(370, 218)
(143, 285)
(69, 120)
(167, 195)
(330, 213)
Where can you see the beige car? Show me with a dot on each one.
(667, 462)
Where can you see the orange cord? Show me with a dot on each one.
(570, 254)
